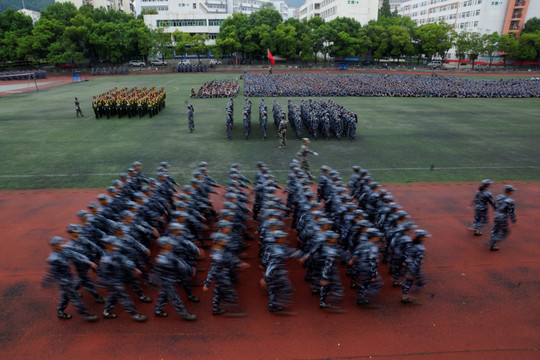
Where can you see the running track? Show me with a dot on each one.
(477, 304)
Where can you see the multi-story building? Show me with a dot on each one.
(482, 16)
(127, 6)
(361, 10)
(34, 15)
(200, 16)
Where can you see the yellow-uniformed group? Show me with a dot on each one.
(129, 102)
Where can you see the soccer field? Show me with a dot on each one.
(43, 144)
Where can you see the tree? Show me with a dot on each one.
(433, 39)
(15, 35)
(384, 10)
(232, 32)
(532, 25)
(476, 46)
(528, 46)
(491, 45)
(507, 46)
(400, 42)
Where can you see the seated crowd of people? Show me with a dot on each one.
(398, 85)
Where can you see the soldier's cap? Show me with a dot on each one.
(402, 214)
(82, 214)
(313, 204)
(374, 185)
(164, 241)
(487, 182)
(365, 223)
(164, 164)
(357, 168)
(180, 204)
(388, 198)
(176, 226)
(187, 188)
(226, 212)
(309, 194)
(73, 228)
(219, 238)
(305, 140)
(360, 212)
(123, 175)
(131, 171)
(232, 183)
(111, 189)
(235, 165)
(116, 183)
(331, 234)
(306, 181)
(139, 195)
(230, 195)
(274, 222)
(55, 240)
(93, 205)
(131, 205)
(203, 164)
(126, 213)
(152, 181)
(182, 196)
(194, 181)
(372, 232)
(278, 234)
(136, 163)
(367, 178)
(324, 221)
(508, 188)
(394, 206)
(260, 164)
(351, 206)
(325, 168)
(224, 224)
(408, 226)
(317, 213)
(115, 226)
(161, 174)
(197, 174)
(203, 170)
(108, 240)
(101, 197)
(181, 214)
(421, 233)
(383, 192)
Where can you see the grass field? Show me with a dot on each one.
(43, 145)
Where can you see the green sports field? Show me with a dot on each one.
(43, 145)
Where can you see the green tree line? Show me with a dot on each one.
(65, 34)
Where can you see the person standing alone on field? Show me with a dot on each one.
(191, 123)
(78, 108)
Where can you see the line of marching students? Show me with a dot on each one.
(354, 225)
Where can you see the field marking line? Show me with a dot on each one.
(285, 170)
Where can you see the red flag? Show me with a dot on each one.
(270, 57)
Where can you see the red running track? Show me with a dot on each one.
(477, 304)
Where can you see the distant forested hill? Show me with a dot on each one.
(36, 5)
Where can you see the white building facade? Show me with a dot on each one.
(200, 16)
(361, 10)
(482, 16)
(126, 6)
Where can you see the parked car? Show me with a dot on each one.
(157, 62)
(137, 63)
(434, 64)
(184, 62)
(215, 62)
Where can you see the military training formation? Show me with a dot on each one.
(129, 102)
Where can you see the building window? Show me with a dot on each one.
(194, 5)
